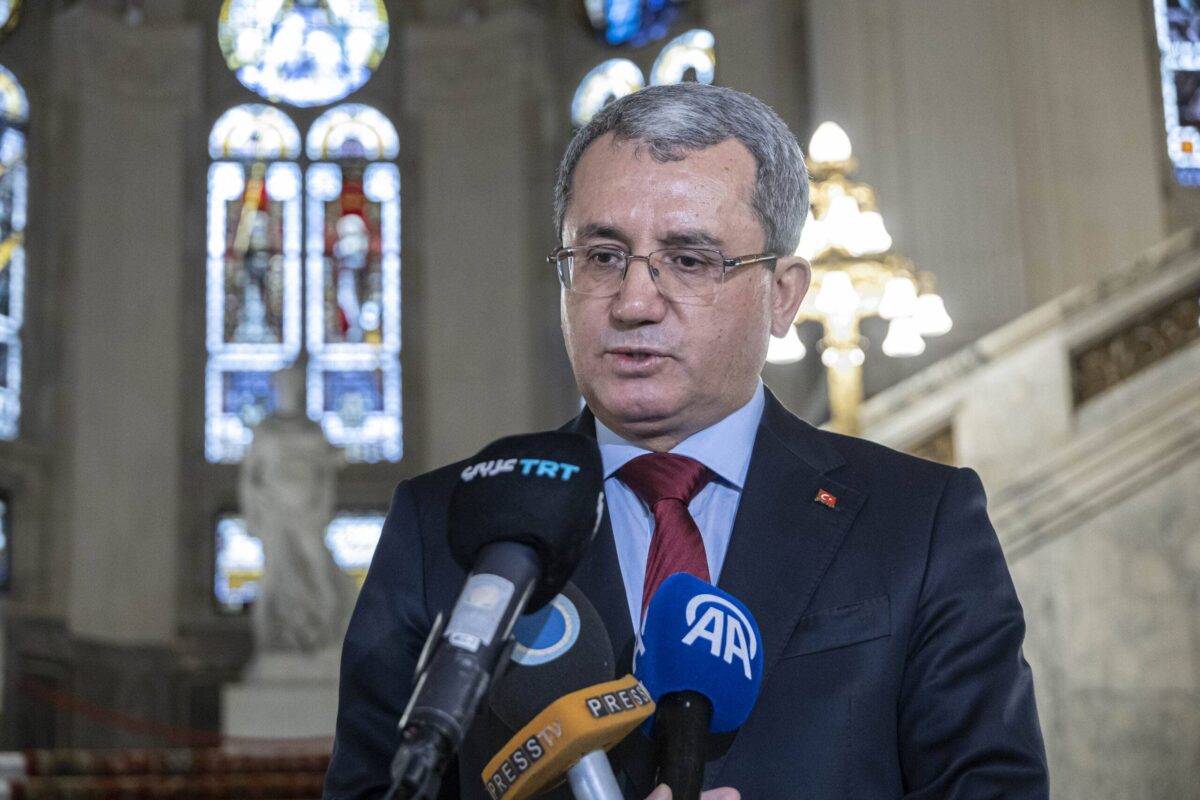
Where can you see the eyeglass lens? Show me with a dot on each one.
(679, 273)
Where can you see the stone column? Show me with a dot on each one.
(126, 103)
(476, 233)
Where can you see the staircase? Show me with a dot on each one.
(1083, 418)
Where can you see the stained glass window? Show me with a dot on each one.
(691, 55)
(351, 538)
(352, 287)
(253, 273)
(1178, 25)
(239, 564)
(14, 113)
(631, 22)
(693, 51)
(353, 275)
(303, 52)
(607, 81)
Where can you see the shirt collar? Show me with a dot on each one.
(723, 447)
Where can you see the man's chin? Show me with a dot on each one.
(642, 412)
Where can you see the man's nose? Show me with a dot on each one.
(639, 300)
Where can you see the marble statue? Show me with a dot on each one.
(287, 492)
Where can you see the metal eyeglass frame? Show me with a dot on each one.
(727, 264)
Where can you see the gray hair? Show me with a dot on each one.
(677, 119)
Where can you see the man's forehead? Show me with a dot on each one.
(729, 159)
(689, 197)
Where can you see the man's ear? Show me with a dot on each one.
(790, 283)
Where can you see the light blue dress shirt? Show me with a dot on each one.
(725, 449)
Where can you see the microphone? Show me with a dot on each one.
(700, 656)
(520, 517)
(562, 647)
(560, 697)
(570, 736)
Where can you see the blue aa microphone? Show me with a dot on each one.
(700, 657)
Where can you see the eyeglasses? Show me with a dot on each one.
(689, 275)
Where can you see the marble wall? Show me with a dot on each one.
(1113, 604)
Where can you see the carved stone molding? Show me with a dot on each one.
(1145, 340)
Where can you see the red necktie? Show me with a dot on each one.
(667, 483)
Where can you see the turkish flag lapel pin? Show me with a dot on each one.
(825, 498)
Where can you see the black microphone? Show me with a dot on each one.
(560, 698)
(560, 648)
(520, 518)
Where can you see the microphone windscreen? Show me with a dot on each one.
(560, 648)
(544, 490)
(698, 638)
(547, 748)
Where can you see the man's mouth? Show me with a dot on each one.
(636, 361)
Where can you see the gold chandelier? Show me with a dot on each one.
(855, 274)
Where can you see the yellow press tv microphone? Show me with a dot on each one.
(569, 739)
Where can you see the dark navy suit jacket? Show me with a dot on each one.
(891, 633)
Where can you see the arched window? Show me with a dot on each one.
(14, 114)
(253, 272)
(353, 276)
(607, 81)
(692, 53)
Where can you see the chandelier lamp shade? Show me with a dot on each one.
(855, 274)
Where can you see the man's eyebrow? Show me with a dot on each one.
(690, 238)
(601, 230)
(680, 238)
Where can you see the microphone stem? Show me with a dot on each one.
(593, 779)
(681, 722)
(449, 690)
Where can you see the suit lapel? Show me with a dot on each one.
(598, 575)
(783, 539)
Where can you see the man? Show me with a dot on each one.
(891, 630)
